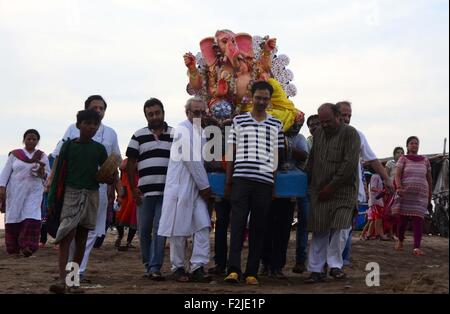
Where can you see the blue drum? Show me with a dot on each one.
(292, 183)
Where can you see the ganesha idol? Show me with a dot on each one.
(223, 73)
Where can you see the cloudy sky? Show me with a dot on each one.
(389, 58)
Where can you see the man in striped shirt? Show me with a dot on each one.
(149, 148)
(255, 137)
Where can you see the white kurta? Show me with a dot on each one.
(184, 212)
(366, 154)
(108, 138)
(23, 191)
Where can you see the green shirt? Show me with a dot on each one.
(84, 160)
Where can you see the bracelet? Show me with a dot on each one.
(192, 75)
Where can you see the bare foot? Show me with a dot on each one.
(398, 245)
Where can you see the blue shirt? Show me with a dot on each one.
(297, 142)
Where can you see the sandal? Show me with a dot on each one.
(27, 252)
(59, 288)
(337, 273)
(199, 275)
(315, 278)
(418, 252)
(117, 243)
(75, 290)
(130, 246)
(181, 276)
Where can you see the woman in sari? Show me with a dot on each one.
(21, 190)
(413, 186)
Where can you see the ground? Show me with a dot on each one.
(112, 271)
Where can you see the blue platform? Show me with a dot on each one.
(292, 183)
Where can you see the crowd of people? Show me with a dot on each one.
(164, 193)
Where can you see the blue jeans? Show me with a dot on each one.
(152, 245)
(347, 249)
(301, 242)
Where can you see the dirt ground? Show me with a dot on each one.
(113, 271)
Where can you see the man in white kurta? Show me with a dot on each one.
(366, 155)
(108, 137)
(184, 210)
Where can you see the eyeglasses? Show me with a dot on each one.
(198, 112)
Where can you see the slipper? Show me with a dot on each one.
(418, 252)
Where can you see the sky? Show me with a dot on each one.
(389, 58)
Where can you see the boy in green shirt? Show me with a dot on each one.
(74, 196)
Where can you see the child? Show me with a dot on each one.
(375, 212)
(75, 190)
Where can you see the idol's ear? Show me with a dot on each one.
(207, 49)
(245, 44)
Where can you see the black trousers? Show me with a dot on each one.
(223, 209)
(278, 231)
(255, 198)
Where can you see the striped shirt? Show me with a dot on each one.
(257, 145)
(152, 156)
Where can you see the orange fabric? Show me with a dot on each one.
(126, 216)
